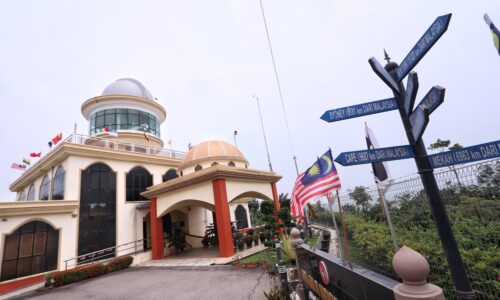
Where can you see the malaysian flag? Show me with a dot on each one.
(318, 180)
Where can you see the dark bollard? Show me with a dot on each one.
(278, 250)
(283, 278)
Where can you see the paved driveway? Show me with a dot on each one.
(213, 282)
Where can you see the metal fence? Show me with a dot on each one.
(471, 194)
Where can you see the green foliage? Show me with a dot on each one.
(276, 293)
(475, 223)
(439, 144)
(267, 208)
(284, 200)
(61, 278)
(361, 197)
(253, 206)
(286, 247)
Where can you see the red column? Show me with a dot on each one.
(156, 232)
(276, 199)
(223, 219)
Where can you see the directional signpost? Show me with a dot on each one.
(411, 92)
(374, 155)
(430, 37)
(465, 155)
(415, 121)
(359, 110)
(384, 75)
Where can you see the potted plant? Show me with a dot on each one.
(240, 243)
(256, 239)
(250, 231)
(262, 237)
(178, 241)
(249, 241)
(205, 241)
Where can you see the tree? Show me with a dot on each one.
(284, 200)
(253, 206)
(361, 197)
(441, 146)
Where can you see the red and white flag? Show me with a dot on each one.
(18, 167)
(57, 139)
(34, 154)
(317, 181)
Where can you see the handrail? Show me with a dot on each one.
(103, 254)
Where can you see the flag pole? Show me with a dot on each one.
(346, 244)
(340, 245)
(264, 135)
(385, 208)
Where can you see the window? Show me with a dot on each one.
(97, 218)
(21, 196)
(138, 179)
(198, 168)
(214, 163)
(231, 164)
(169, 175)
(44, 188)
(58, 184)
(124, 119)
(31, 249)
(31, 193)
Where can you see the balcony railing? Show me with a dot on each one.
(80, 139)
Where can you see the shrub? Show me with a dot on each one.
(81, 273)
(119, 263)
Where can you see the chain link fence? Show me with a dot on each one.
(471, 195)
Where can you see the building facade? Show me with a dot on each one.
(99, 193)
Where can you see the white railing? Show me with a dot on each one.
(106, 254)
(81, 139)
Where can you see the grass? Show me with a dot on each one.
(268, 254)
(312, 240)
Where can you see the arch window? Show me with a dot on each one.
(241, 217)
(138, 179)
(58, 184)
(231, 164)
(21, 196)
(31, 249)
(31, 193)
(169, 175)
(97, 220)
(198, 168)
(44, 188)
(215, 163)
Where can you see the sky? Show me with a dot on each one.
(204, 60)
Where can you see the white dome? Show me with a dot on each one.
(128, 86)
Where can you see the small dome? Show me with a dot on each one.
(128, 86)
(212, 151)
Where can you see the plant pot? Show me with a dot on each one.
(249, 245)
(241, 245)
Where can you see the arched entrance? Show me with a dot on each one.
(241, 217)
(97, 224)
(31, 249)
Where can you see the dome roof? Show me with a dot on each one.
(212, 151)
(128, 86)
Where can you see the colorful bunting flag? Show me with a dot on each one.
(26, 161)
(57, 139)
(111, 132)
(494, 31)
(18, 167)
(34, 154)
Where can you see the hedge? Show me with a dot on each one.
(61, 278)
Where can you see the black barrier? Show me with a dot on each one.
(327, 278)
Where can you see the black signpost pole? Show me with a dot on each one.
(463, 289)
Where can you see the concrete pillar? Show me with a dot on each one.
(413, 268)
(223, 220)
(156, 231)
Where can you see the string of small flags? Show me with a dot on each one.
(27, 161)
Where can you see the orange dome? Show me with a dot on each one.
(212, 151)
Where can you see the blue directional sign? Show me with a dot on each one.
(411, 93)
(419, 119)
(384, 75)
(433, 99)
(374, 155)
(465, 155)
(359, 110)
(430, 37)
